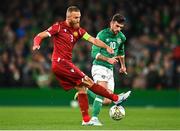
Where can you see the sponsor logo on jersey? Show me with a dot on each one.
(107, 40)
(72, 70)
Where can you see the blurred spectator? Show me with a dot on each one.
(152, 47)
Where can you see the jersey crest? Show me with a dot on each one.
(119, 41)
(75, 34)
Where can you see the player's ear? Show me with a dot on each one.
(111, 23)
(68, 15)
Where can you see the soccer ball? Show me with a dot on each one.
(117, 112)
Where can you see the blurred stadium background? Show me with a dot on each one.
(152, 50)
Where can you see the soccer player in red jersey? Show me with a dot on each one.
(65, 34)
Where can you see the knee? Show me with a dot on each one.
(107, 101)
(81, 89)
(87, 81)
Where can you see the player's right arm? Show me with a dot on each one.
(54, 29)
(38, 38)
(107, 59)
(96, 52)
(97, 42)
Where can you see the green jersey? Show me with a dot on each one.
(116, 42)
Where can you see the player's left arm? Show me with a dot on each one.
(123, 65)
(121, 57)
(97, 42)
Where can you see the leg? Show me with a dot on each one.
(110, 87)
(97, 104)
(99, 90)
(106, 101)
(83, 102)
(92, 94)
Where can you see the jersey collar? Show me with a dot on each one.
(110, 32)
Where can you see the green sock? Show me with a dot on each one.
(97, 105)
(92, 94)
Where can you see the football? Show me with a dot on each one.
(117, 112)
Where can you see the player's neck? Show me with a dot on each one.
(68, 24)
(112, 31)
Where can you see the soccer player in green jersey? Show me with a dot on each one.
(103, 63)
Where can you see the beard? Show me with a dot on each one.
(74, 24)
(116, 32)
(77, 25)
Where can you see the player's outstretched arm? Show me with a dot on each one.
(38, 38)
(107, 59)
(97, 42)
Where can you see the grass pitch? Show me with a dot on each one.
(67, 118)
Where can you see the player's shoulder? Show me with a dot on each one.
(81, 31)
(103, 31)
(57, 24)
(61, 23)
(122, 35)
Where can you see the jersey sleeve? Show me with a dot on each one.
(54, 29)
(100, 36)
(123, 38)
(82, 32)
(121, 50)
(95, 51)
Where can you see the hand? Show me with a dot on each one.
(36, 47)
(110, 50)
(37, 41)
(123, 70)
(112, 60)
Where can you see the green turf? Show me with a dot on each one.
(59, 118)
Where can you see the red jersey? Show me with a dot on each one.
(64, 39)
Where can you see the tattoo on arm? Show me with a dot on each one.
(101, 57)
(122, 60)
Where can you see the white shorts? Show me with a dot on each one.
(101, 73)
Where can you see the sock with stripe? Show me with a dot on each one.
(97, 104)
(100, 90)
(92, 94)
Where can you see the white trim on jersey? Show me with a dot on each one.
(48, 33)
(98, 55)
(98, 99)
(122, 56)
(59, 28)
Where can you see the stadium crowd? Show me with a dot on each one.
(152, 47)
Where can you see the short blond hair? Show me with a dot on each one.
(73, 9)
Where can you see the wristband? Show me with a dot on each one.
(37, 40)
